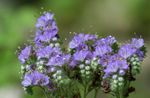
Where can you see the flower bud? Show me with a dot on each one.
(57, 44)
(82, 71)
(87, 62)
(81, 66)
(51, 44)
(87, 72)
(120, 79)
(87, 67)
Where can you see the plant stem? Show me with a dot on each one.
(85, 91)
(95, 93)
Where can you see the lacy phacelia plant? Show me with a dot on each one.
(88, 64)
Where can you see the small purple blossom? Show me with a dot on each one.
(106, 41)
(127, 50)
(45, 36)
(35, 78)
(115, 64)
(25, 54)
(46, 29)
(46, 22)
(58, 60)
(102, 50)
(80, 39)
(44, 52)
(104, 60)
(82, 55)
(138, 43)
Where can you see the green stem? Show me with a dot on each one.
(84, 91)
(44, 92)
(95, 93)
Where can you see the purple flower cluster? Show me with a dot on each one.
(35, 79)
(45, 55)
(46, 29)
(88, 57)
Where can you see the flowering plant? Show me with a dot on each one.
(88, 64)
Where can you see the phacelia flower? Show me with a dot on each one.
(25, 54)
(81, 55)
(46, 29)
(80, 39)
(58, 60)
(116, 63)
(35, 78)
(138, 43)
(106, 41)
(100, 50)
(47, 22)
(126, 50)
(44, 52)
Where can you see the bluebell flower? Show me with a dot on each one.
(25, 54)
(35, 78)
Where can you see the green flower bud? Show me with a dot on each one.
(134, 63)
(82, 71)
(120, 79)
(81, 66)
(87, 72)
(87, 67)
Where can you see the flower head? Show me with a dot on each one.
(106, 41)
(116, 63)
(80, 39)
(46, 29)
(138, 43)
(82, 55)
(44, 52)
(35, 78)
(126, 50)
(25, 54)
(58, 60)
(101, 50)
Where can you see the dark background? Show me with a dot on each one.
(120, 18)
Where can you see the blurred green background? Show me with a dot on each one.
(120, 18)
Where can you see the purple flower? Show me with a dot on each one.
(44, 52)
(35, 78)
(46, 29)
(58, 60)
(138, 43)
(104, 60)
(80, 39)
(127, 50)
(102, 50)
(140, 54)
(46, 22)
(73, 63)
(25, 54)
(115, 64)
(106, 41)
(45, 36)
(82, 55)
